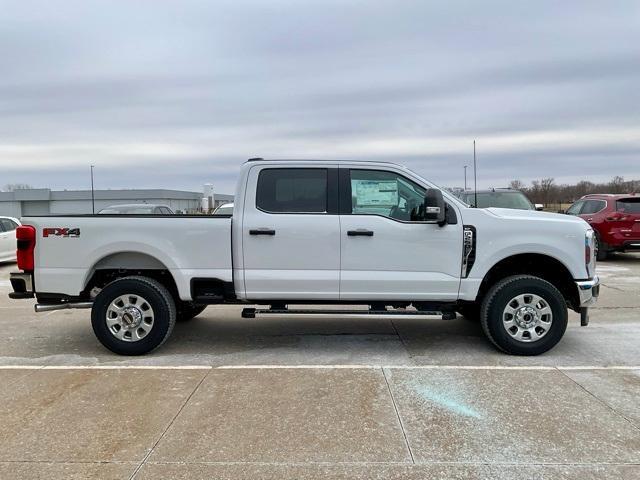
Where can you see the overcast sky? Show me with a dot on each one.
(176, 94)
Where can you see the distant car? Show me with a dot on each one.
(615, 219)
(498, 197)
(224, 209)
(137, 209)
(8, 226)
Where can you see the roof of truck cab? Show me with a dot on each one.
(318, 160)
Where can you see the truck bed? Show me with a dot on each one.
(69, 249)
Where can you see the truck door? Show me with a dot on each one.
(291, 233)
(384, 254)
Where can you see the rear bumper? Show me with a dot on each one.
(588, 290)
(631, 245)
(22, 284)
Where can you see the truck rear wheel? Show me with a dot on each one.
(133, 315)
(524, 315)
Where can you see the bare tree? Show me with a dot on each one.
(617, 184)
(547, 189)
(517, 185)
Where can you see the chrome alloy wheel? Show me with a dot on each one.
(527, 317)
(129, 318)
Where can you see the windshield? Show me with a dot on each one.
(515, 200)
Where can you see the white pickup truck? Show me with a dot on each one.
(316, 232)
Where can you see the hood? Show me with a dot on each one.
(511, 213)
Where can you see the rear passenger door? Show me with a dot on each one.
(291, 233)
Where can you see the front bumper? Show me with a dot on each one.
(588, 290)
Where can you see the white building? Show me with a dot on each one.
(42, 201)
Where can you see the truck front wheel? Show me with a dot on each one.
(133, 315)
(524, 315)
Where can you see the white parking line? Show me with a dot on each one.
(316, 367)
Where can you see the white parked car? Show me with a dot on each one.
(224, 209)
(317, 232)
(8, 227)
(136, 209)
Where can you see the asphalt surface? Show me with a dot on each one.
(324, 397)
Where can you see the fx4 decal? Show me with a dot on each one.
(61, 232)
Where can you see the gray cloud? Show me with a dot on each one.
(173, 94)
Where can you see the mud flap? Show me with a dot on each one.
(584, 316)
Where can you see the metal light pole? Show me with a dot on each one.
(93, 198)
(465, 177)
(475, 176)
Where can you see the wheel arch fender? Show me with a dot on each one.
(131, 257)
(542, 265)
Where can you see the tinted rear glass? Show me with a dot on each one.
(628, 205)
(292, 190)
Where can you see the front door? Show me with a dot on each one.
(291, 234)
(386, 255)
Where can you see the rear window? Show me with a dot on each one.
(292, 190)
(628, 205)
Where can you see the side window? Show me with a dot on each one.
(628, 205)
(575, 208)
(7, 225)
(593, 206)
(292, 190)
(376, 192)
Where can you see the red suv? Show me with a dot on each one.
(615, 219)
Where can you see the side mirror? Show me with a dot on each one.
(539, 207)
(434, 207)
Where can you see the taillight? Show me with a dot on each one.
(26, 236)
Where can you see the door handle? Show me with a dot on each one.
(589, 219)
(262, 231)
(361, 232)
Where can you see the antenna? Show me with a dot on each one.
(475, 176)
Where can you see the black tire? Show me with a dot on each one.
(155, 295)
(470, 312)
(185, 311)
(497, 299)
(601, 249)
